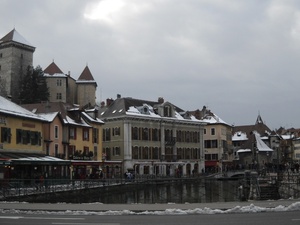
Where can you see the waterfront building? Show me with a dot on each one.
(79, 138)
(152, 137)
(22, 153)
(253, 145)
(217, 141)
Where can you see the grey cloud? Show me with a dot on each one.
(236, 57)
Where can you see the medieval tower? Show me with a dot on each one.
(16, 54)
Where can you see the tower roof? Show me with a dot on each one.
(53, 69)
(15, 36)
(86, 75)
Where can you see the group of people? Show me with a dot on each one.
(128, 175)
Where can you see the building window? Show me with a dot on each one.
(195, 153)
(106, 154)
(135, 152)
(187, 137)
(58, 96)
(213, 131)
(85, 134)
(106, 134)
(28, 137)
(155, 134)
(56, 150)
(71, 151)
(145, 133)
(58, 82)
(210, 143)
(116, 131)
(96, 135)
(146, 153)
(72, 133)
(5, 135)
(187, 153)
(135, 133)
(116, 151)
(56, 132)
(155, 153)
(1, 55)
(167, 111)
(95, 151)
(86, 151)
(22, 56)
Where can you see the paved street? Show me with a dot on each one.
(278, 218)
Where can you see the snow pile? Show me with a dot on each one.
(238, 209)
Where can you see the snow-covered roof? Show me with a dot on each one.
(137, 111)
(15, 36)
(243, 150)
(56, 75)
(70, 121)
(96, 120)
(287, 136)
(212, 119)
(239, 136)
(48, 116)
(260, 145)
(11, 108)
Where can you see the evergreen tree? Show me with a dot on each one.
(3, 88)
(33, 87)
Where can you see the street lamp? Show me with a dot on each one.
(257, 152)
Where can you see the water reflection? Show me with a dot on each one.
(180, 192)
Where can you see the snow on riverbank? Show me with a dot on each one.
(252, 208)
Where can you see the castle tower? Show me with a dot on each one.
(16, 54)
(62, 87)
(86, 88)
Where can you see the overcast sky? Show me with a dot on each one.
(238, 58)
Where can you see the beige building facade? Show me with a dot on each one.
(152, 138)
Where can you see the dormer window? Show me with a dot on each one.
(167, 111)
(144, 109)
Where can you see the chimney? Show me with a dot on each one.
(118, 96)
(102, 104)
(109, 101)
(161, 100)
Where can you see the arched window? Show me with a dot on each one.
(135, 133)
(135, 152)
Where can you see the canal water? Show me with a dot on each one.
(200, 191)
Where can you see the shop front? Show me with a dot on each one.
(95, 169)
(27, 167)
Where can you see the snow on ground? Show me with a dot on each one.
(172, 211)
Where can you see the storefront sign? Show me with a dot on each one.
(82, 158)
(31, 125)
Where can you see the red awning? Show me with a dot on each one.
(211, 163)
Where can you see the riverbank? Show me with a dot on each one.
(99, 207)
